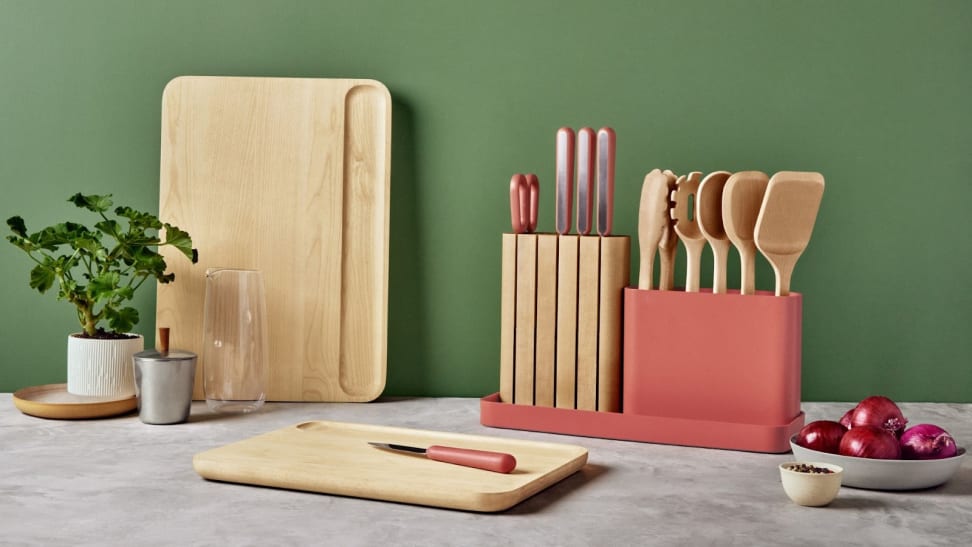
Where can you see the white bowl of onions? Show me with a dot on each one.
(876, 449)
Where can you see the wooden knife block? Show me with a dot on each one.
(561, 320)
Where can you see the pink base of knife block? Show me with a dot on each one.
(717, 371)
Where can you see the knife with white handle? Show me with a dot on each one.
(585, 179)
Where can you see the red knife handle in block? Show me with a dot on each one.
(480, 459)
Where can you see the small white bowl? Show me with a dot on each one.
(811, 489)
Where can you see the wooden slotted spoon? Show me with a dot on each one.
(687, 226)
(786, 221)
(741, 201)
(709, 199)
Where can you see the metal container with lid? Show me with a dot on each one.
(163, 384)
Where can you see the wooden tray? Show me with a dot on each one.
(335, 458)
(291, 177)
(53, 401)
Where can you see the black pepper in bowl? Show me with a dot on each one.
(807, 468)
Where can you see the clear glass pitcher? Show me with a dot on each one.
(235, 356)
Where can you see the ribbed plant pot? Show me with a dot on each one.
(102, 367)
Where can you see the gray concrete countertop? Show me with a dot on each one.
(118, 481)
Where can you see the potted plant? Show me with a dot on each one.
(98, 270)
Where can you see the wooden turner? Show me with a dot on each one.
(687, 226)
(786, 221)
(653, 220)
(709, 199)
(741, 201)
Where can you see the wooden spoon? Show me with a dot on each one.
(709, 199)
(668, 244)
(653, 219)
(687, 226)
(741, 201)
(786, 221)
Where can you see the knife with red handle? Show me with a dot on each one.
(606, 140)
(585, 179)
(498, 462)
(565, 177)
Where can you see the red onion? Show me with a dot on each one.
(868, 441)
(822, 435)
(927, 442)
(879, 411)
(845, 420)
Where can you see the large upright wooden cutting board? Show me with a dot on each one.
(335, 458)
(290, 176)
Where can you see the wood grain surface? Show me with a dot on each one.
(335, 458)
(291, 177)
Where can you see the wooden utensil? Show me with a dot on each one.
(289, 176)
(653, 220)
(741, 201)
(786, 221)
(334, 458)
(669, 242)
(687, 227)
(709, 208)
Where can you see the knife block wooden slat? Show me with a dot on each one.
(561, 320)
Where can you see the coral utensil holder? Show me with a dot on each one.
(704, 356)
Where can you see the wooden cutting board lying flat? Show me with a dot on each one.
(335, 458)
(290, 176)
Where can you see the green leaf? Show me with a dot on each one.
(103, 287)
(17, 226)
(110, 227)
(121, 320)
(180, 240)
(138, 220)
(21, 243)
(93, 202)
(42, 277)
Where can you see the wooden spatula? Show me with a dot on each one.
(668, 244)
(653, 219)
(786, 221)
(687, 226)
(709, 200)
(741, 200)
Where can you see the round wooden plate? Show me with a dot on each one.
(54, 401)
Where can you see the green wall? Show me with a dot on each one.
(875, 95)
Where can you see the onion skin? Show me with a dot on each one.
(822, 436)
(868, 441)
(845, 420)
(927, 442)
(879, 411)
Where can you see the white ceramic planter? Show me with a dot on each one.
(102, 367)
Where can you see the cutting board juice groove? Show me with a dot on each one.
(289, 176)
(561, 320)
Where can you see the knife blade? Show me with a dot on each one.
(565, 177)
(498, 462)
(606, 140)
(585, 179)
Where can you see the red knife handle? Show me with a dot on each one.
(480, 459)
(517, 184)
